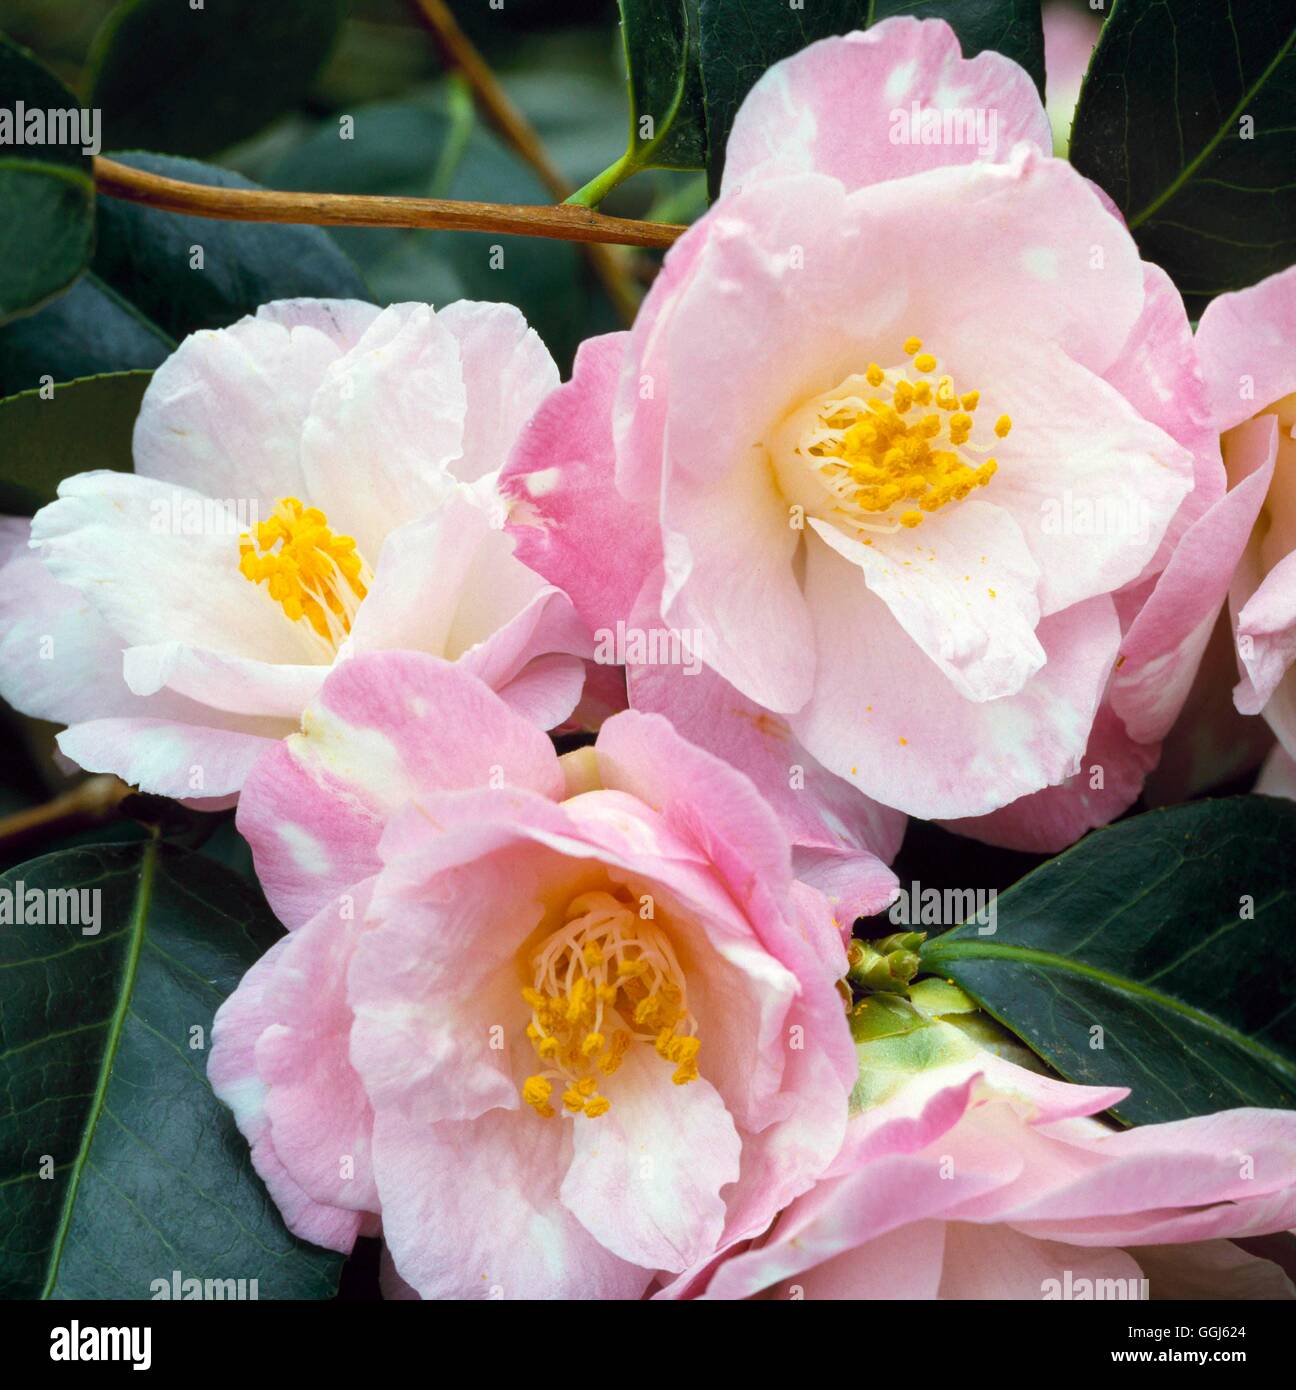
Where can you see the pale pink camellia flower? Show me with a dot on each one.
(315, 481)
(569, 1022)
(572, 525)
(901, 439)
(1247, 342)
(979, 1179)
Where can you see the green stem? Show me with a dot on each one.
(593, 193)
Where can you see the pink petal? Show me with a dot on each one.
(1108, 781)
(568, 520)
(507, 372)
(384, 727)
(223, 414)
(963, 588)
(386, 419)
(169, 758)
(885, 720)
(1245, 340)
(472, 1211)
(831, 108)
(1165, 643)
(1158, 372)
(645, 1178)
(223, 682)
(319, 1114)
(232, 1070)
(998, 1262)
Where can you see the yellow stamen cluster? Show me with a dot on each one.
(603, 981)
(885, 439)
(310, 571)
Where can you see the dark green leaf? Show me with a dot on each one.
(149, 256)
(80, 425)
(46, 188)
(88, 331)
(667, 119)
(741, 38)
(1171, 933)
(101, 1084)
(194, 81)
(435, 149)
(145, 291)
(1186, 119)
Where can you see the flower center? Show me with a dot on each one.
(315, 575)
(883, 449)
(602, 982)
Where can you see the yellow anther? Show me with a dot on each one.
(307, 568)
(536, 1091)
(578, 997)
(616, 1052)
(872, 457)
(1002, 425)
(912, 345)
(579, 1000)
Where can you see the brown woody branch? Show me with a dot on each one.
(563, 223)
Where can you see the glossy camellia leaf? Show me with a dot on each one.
(46, 187)
(741, 38)
(193, 80)
(1186, 119)
(118, 1166)
(1157, 954)
(74, 427)
(158, 276)
(667, 119)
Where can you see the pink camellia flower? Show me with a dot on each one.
(1247, 342)
(979, 1179)
(901, 441)
(554, 1025)
(315, 481)
(572, 525)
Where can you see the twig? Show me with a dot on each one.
(92, 802)
(563, 223)
(459, 52)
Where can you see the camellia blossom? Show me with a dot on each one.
(978, 1179)
(571, 525)
(572, 1022)
(1247, 342)
(904, 437)
(313, 482)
